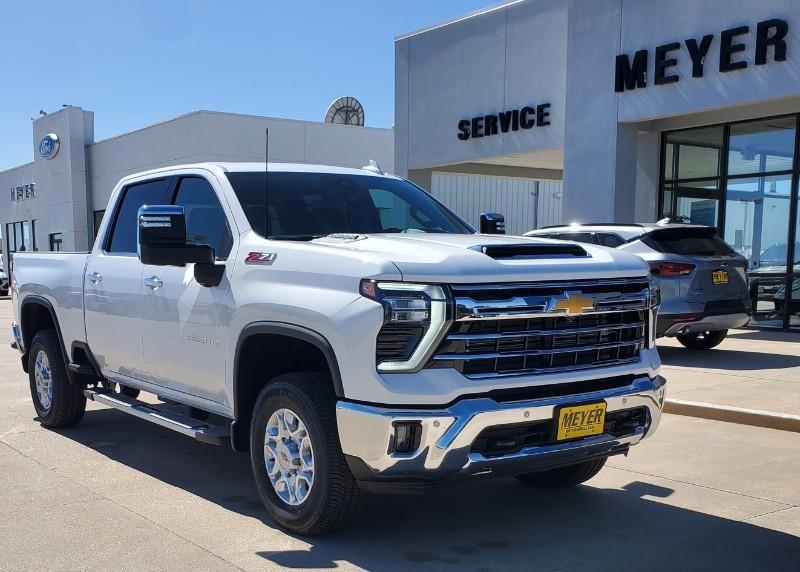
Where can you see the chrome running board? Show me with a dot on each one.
(164, 415)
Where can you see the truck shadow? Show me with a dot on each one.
(721, 358)
(488, 526)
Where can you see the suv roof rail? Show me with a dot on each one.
(582, 224)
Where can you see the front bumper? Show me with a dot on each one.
(447, 435)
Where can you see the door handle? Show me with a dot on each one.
(153, 282)
(94, 277)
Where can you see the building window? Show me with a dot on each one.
(21, 236)
(56, 239)
(692, 166)
(97, 217)
(743, 178)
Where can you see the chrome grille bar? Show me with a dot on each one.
(495, 355)
(520, 334)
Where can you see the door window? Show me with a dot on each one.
(206, 222)
(123, 233)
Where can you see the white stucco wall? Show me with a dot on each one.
(500, 60)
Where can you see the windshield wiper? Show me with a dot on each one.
(299, 237)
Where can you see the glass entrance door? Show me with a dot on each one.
(743, 178)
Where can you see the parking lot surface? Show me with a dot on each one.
(116, 493)
(754, 369)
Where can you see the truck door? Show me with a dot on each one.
(113, 283)
(185, 324)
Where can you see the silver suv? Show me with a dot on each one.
(703, 280)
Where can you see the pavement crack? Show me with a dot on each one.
(783, 509)
(785, 505)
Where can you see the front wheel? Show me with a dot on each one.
(568, 476)
(58, 402)
(702, 340)
(298, 465)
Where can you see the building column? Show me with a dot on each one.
(599, 152)
(61, 204)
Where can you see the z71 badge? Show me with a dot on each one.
(265, 258)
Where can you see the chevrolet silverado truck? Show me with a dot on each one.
(346, 330)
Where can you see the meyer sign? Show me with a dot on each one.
(503, 122)
(633, 74)
(23, 192)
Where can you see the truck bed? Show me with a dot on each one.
(57, 277)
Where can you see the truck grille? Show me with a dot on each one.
(520, 329)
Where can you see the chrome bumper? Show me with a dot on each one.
(367, 432)
(16, 337)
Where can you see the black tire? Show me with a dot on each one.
(128, 391)
(334, 494)
(702, 340)
(67, 402)
(568, 476)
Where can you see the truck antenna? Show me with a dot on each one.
(266, 183)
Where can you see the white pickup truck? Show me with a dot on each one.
(344, 328)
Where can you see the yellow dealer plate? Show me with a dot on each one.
(719, 277)
(581, 421)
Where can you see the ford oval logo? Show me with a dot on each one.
(48, 146)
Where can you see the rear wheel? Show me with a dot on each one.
(568, 476)
(58, 402)
(702, 340)
(298, 465)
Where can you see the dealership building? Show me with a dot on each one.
(57, 201)
(549, 111)
(642, 108)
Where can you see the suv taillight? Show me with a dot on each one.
(671, 269)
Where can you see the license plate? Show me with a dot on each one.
(719, 277)
(581, 421)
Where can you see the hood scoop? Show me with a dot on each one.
(532, 251)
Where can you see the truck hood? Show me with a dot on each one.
(470, 258)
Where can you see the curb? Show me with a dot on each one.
(742, 416)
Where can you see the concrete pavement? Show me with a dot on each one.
(751, 369)
(119, 493)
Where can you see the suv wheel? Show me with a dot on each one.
(702, 340)
(58, 402)
(568, 476)
(297, 461)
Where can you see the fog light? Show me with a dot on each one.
(407, 436)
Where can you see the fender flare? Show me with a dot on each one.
(33, 299)
(291, 331)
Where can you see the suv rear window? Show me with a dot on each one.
(701, 241)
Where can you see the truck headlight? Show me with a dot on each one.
(653, 302)
(414, 321)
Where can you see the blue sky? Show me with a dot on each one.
(138, 62)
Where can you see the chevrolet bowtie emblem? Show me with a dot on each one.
(571, 303)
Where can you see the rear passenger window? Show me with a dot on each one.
(585, 237)
(205, 220)
(609, 239)
(133, 197)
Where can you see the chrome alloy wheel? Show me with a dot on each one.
(289, 457)
(44, 380)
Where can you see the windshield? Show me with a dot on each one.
(306, 205)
